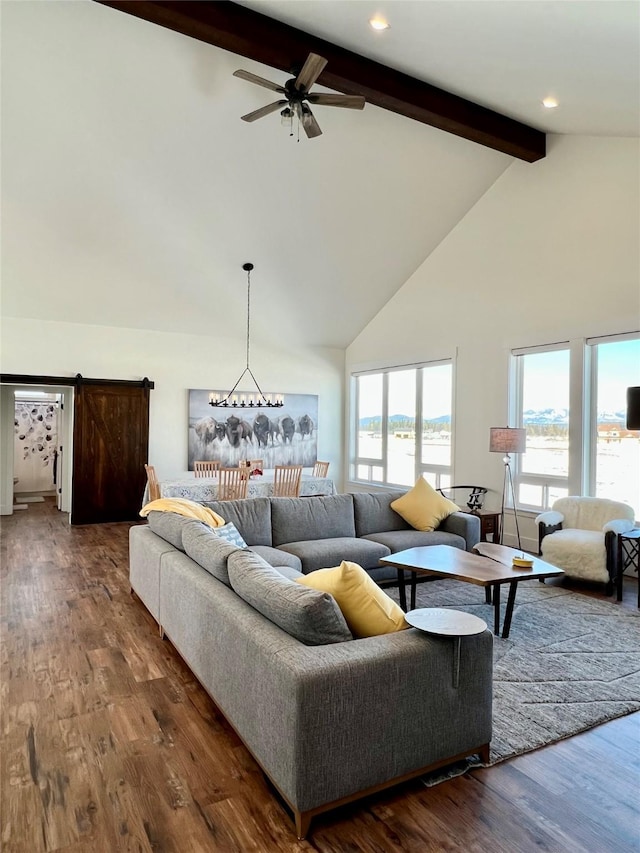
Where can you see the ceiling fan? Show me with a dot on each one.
(297, 98)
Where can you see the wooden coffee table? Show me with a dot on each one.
(443, 561)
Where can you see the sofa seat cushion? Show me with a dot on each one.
(399, 540)
(207, 549)
(369, 611)
(277, 557)
(311, 616)
(323, 553)
(297, 519)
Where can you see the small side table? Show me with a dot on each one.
(628, 555)
(489, 524)
(447, 623)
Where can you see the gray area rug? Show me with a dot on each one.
(570, 663)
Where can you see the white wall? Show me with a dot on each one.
(550, 253)
(175, 363)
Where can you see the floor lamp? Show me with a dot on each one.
(508, 440)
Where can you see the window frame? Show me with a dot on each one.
(591, 406)
(583, 417)
(516, 382)
(438, 472)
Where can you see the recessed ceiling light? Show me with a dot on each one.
(550, 103)
(379, 23)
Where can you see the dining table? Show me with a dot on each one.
(202, 489)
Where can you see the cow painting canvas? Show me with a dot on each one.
(282, 436)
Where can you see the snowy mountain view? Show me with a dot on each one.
(530, 417)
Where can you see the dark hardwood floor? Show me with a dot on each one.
(108, 742)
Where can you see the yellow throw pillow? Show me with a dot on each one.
(185, 507)
(367, 609)
(422, 507)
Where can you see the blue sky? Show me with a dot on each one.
(547, 376)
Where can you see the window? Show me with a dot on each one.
(369, 431)
(615, 457)
(403, 425)
(542, 383)
(571, 399)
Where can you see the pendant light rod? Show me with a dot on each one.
(247, 268)
(251, 401)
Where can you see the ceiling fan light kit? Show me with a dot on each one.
(297, 98)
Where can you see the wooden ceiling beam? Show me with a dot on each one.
(247, 33)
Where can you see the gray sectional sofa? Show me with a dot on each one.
(315, 533)
(327, 717)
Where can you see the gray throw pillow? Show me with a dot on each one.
(207, 549)
(311, 616)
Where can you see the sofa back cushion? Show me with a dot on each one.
(373, 513)
(311, 616)
(169, 526)
(251, 517)
(208, 549)
(300, 519)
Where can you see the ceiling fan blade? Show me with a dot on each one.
(351, 102)
(310, 125)
(310, 72)
(263, 111)
(260, 81)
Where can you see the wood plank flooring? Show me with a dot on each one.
(109, 744)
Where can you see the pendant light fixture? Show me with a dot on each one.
(250, 400)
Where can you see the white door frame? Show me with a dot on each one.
(7, 442)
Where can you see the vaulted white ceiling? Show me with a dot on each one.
(132, 193)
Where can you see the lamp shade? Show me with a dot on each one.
(633, 407)
(507, 440)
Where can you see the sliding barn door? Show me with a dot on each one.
(110, 445)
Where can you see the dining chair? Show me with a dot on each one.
(286, 481)
(321, 469)
(208, 468)
(233, 483)
(152, 480)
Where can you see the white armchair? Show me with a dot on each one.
(579, 535)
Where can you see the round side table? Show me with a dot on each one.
(442, 622)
